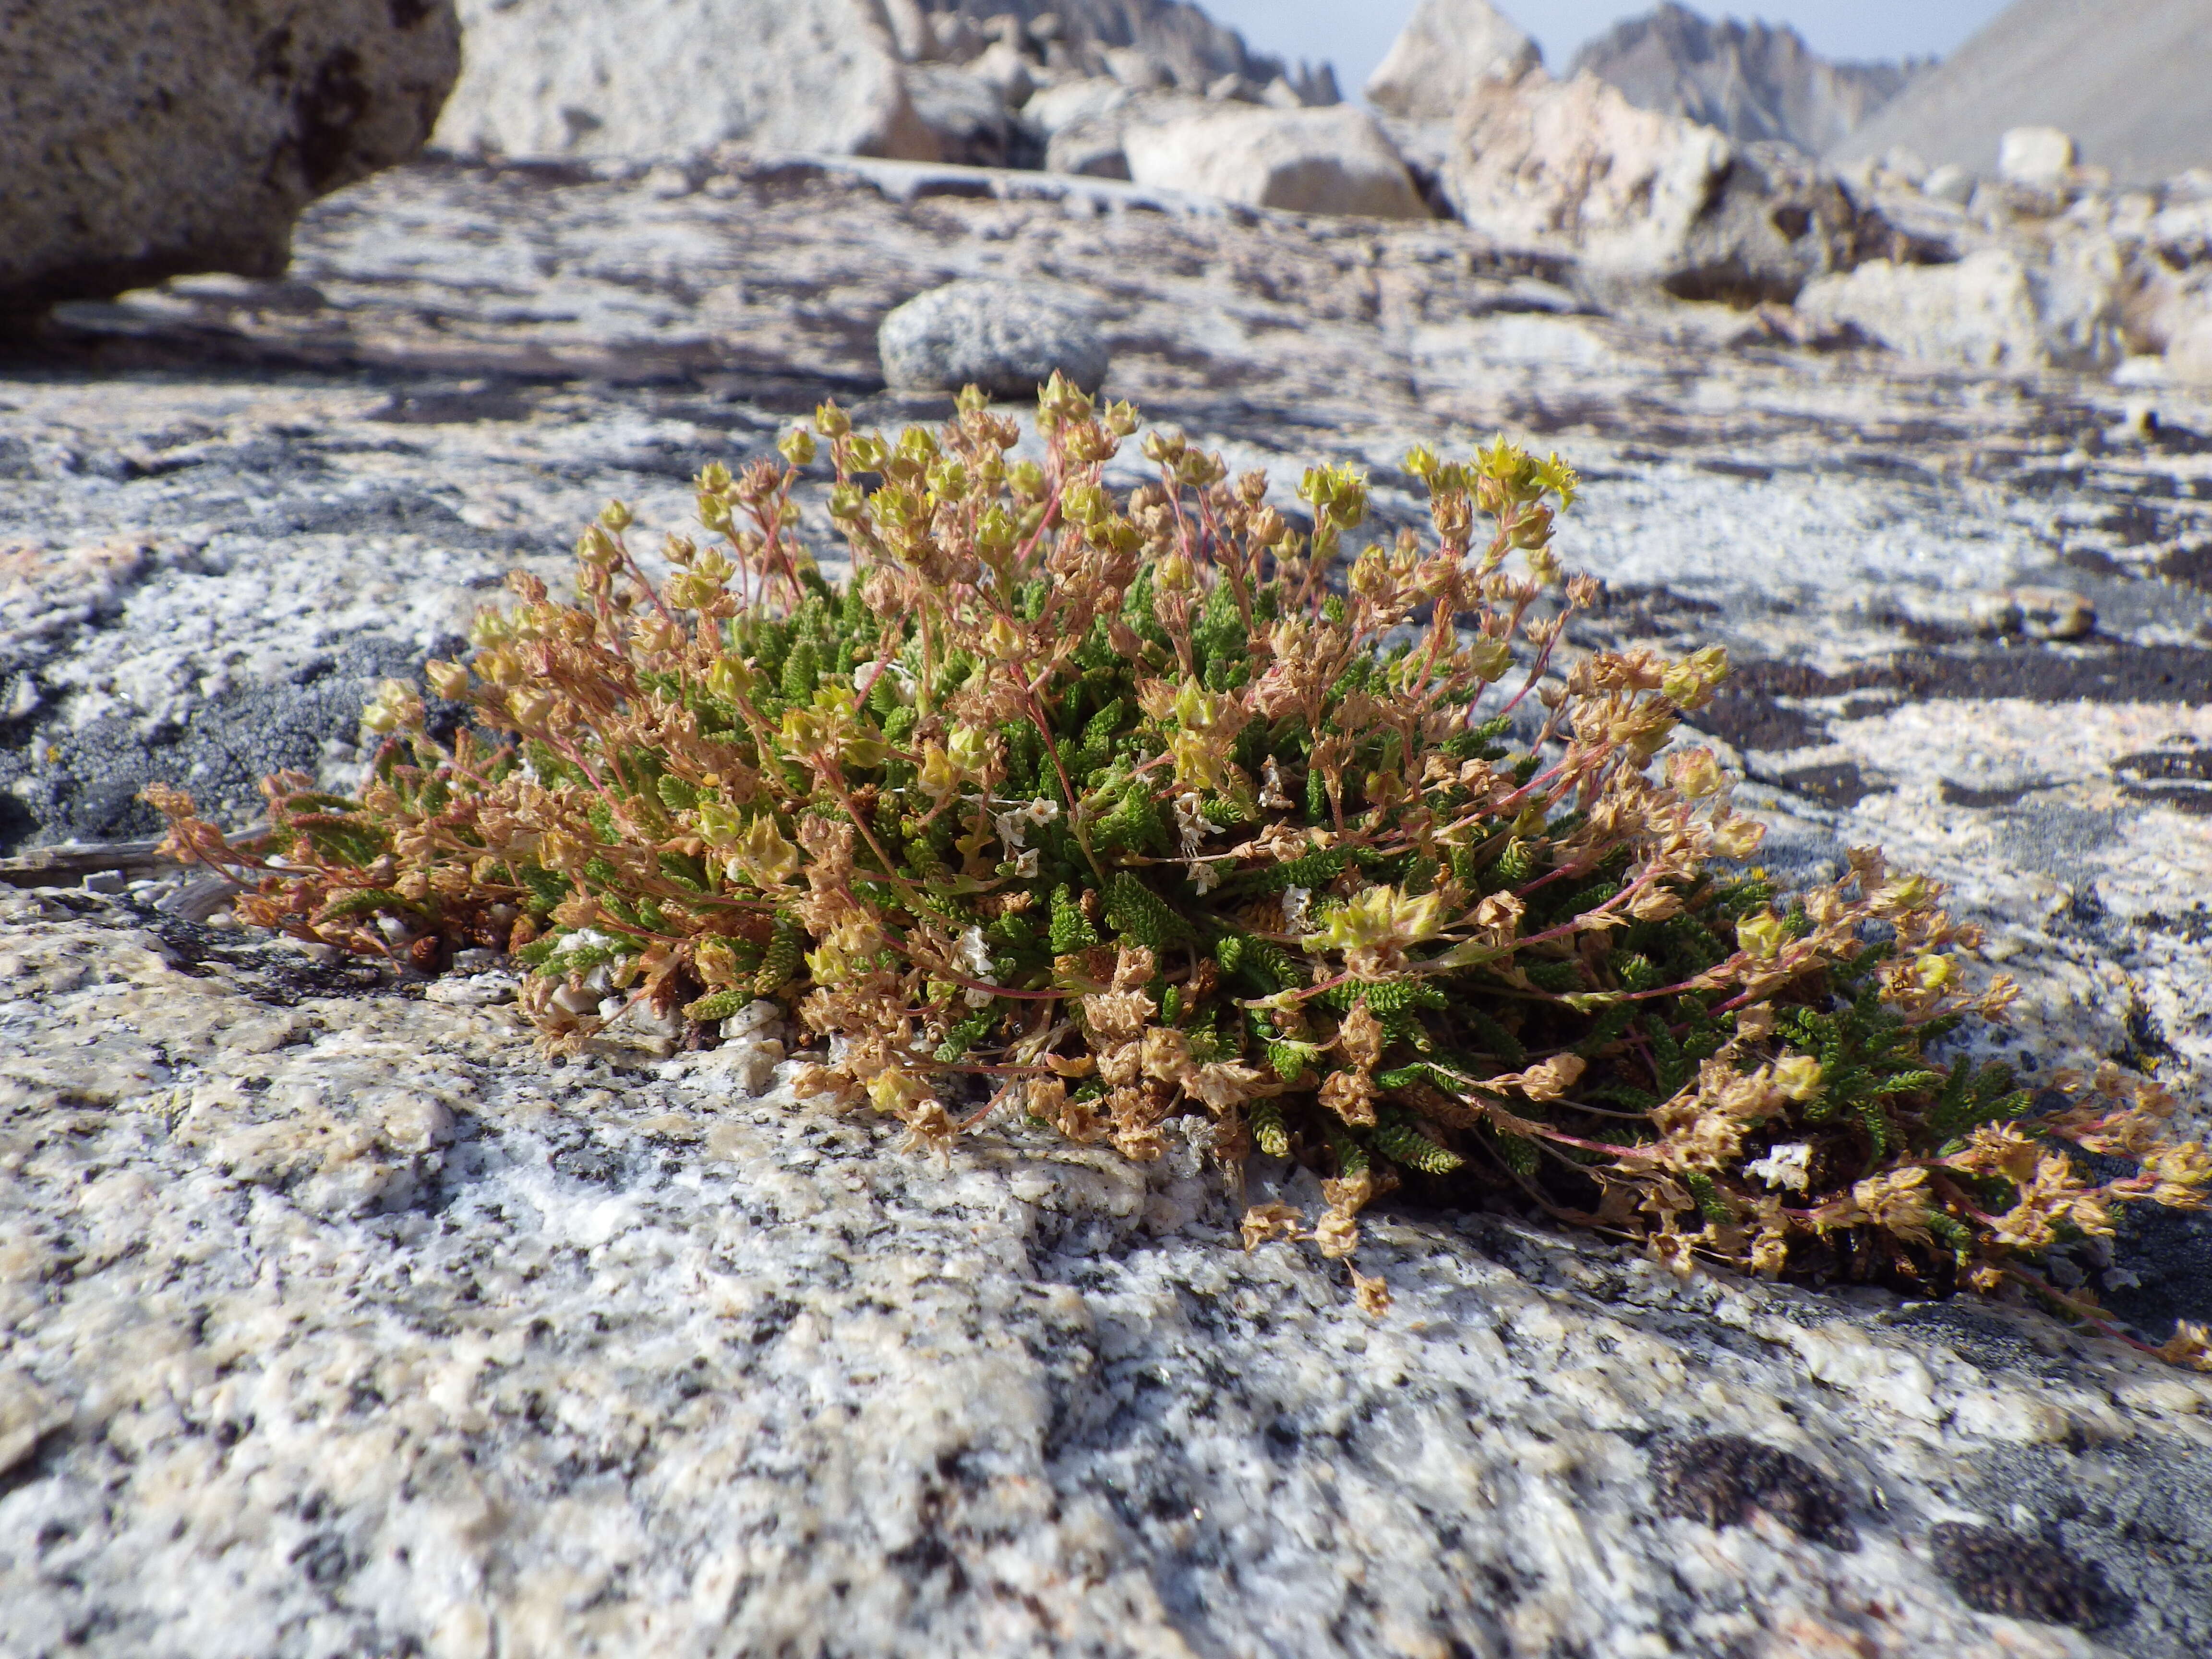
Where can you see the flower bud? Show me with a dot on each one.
(729, 679)
(717, 964)
(1697, 773)
(797, 447)
(597, 548)
(1906, 893)
(616, 516)
(832, 421)
(1085, 504)
(1532, 529)
(448, 679)
(1490, 660)
(994, 532)
(1690, 682)
(948, 480)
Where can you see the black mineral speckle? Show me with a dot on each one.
(2002, 1573)
(1719, 1480)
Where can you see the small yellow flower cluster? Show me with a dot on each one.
(1105, 809)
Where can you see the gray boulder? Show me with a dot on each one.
(967, 115)
(1571, 168)
(140, 143)
(1006, 338)
(2000, 310)
(1332, 161)
(1447, 49)
(677, 77)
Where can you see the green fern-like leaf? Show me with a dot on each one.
(1398, 1139)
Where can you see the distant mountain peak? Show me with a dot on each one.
(1752, 81)
(2132, 82)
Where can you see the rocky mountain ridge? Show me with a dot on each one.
(1753, 82)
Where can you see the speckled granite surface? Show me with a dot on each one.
(333, 1321)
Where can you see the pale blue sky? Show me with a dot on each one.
(1353, 35)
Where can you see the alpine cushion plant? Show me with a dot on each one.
(1104, 809)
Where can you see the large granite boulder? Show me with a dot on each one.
(2008, 309)
(1572, 167)
(1332, 161)
(1978, 313)
(1447, 49)
(140, 143)
(671, 77)
(966, 114)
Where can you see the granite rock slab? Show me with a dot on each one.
(336, 1306)
(341, 1321)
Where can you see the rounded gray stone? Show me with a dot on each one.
(1006, 338)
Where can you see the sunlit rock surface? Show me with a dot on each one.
(334, 1320)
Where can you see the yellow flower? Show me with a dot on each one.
(1381, 916)
(763, 854)
(1697, 773)
(1906, 893)
(1690, 683)
(1797, 1076)
(448, 679)
(1737, 838)
(719, 827)
(971, 749)
(729, 679)
(844, 955)
(1762, 935)
(394, 706)
(898, 1093)
(1490, 660)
